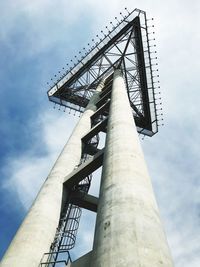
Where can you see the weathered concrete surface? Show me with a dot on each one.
(128, 231)
(37, 231)
(83, 261)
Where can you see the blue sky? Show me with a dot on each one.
(38, 38)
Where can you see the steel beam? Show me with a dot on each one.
(84, 170)
(85, 201)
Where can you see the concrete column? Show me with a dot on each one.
(37, 231)
(128, 230)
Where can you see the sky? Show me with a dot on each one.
(37, 39)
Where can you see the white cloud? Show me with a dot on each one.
(176, 184)
(41, 25)
(172, 155)
(26, 172)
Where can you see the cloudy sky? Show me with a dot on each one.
(37, 39)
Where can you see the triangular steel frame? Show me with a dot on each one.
(126, 46)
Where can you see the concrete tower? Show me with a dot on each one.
(128, 227)
(113, 88)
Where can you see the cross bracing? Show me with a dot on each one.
(126, 46)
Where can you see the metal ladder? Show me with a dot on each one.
(66, 231)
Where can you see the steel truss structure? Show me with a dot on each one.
(126, 46)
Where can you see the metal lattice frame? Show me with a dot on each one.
(126, 46)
